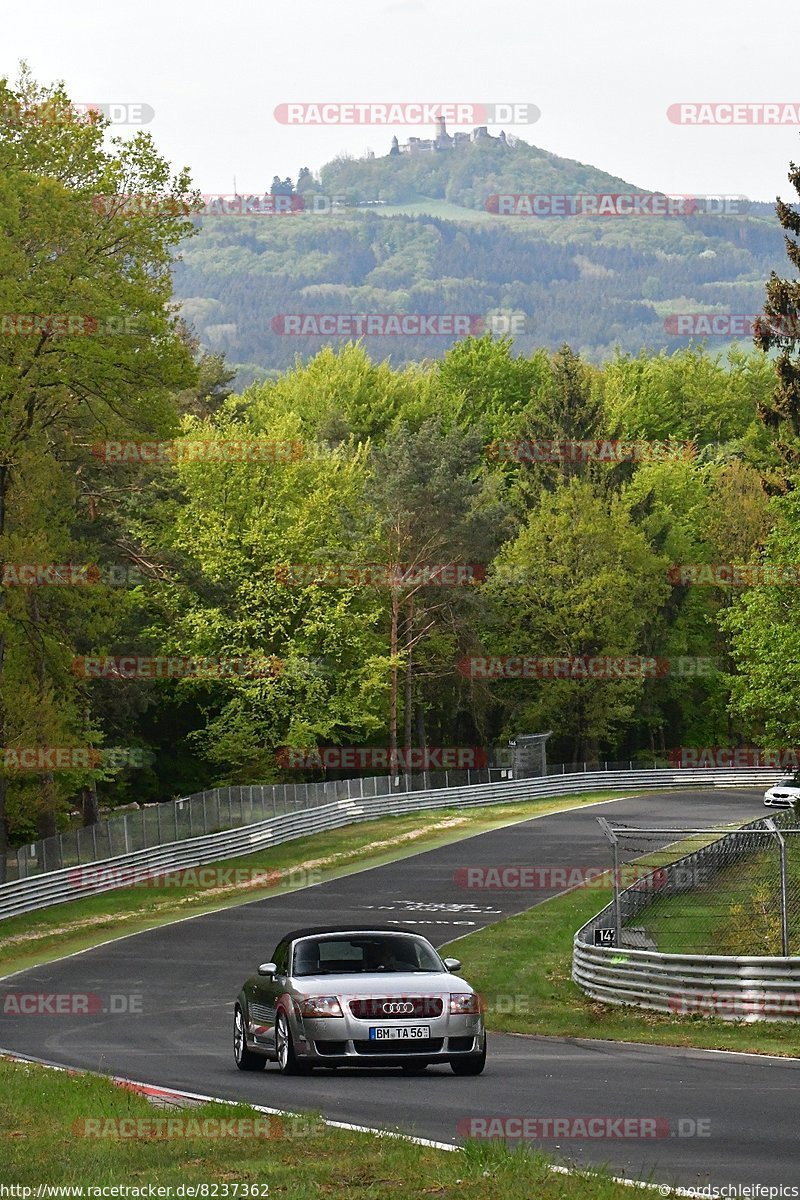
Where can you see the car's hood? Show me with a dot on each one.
(382, 984)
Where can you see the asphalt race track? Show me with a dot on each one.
(187, 976)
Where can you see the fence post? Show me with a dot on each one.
(125, 833)
(612, 837)
(205, 817)
(770, 823)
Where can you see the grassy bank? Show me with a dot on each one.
(63, 1129)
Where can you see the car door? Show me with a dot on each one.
(265, 992)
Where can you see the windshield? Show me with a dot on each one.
(789, 781)
(358, 954)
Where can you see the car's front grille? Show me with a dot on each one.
(413, 1007)
(392, 1048)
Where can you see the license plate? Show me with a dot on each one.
(398, 1033)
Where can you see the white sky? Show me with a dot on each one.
(602, 74)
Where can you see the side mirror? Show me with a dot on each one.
(268, 969)
(453, 964)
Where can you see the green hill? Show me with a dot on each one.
(413, 234)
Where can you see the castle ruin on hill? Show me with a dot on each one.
(445, 141)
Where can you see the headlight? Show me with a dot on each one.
(464, 1004)
(321, 1006)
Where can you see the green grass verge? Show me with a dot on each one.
(43, 1125)
(739, 912)
(523, 965)
(62, 929)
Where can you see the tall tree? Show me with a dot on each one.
(90, 348)
(779, 328)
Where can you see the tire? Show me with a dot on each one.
(288, 1062)
(246, 1060)
(470, 1064)
(413, 1068)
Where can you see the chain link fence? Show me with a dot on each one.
(707, 891)
(214, 811)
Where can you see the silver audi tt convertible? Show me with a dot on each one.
(342, 997)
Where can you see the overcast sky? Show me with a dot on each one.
(602, 74)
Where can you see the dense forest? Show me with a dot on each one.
(229, 534)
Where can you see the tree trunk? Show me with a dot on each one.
(393, 685)
(3, 831)
(48, 798)
(90, 807)
(408, 700)
(46, 812)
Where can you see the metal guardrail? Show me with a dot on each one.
(56, 887)
(732, 987)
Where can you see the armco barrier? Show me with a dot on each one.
(734, 988)
(56, 887)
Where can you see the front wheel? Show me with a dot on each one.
(246, 1060)
(288, 1062)
(470, 1064)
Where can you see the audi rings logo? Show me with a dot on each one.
(397, 1007)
